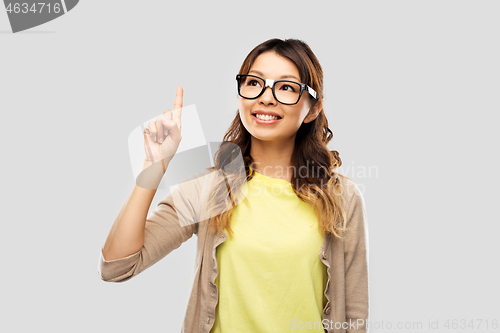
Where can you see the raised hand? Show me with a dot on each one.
(163, 135)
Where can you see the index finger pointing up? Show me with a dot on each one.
(177, 111)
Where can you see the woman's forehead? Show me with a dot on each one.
(273, 66)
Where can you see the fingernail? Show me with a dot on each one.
(161, 140)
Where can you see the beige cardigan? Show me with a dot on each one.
(346, 260)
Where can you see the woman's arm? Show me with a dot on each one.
(356, 264)
(136, 242)
(126, 236)
(127, 247)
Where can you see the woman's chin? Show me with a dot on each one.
(265, 136)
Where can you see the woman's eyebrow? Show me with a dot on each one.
(286, 76)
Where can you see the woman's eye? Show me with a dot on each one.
(287, 87)
(252, 83)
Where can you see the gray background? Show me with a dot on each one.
(411, 90)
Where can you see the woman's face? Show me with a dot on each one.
(270, 65)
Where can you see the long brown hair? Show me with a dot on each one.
(320, 187)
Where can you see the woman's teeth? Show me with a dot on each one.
(265, 117)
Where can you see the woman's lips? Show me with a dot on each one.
(265, 122)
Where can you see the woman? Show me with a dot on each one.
(291, 251)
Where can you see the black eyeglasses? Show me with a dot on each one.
(284, 91)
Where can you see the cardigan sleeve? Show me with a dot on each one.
(356, 265)
(165, 230)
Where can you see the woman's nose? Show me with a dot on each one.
(267, 97)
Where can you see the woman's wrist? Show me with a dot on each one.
(152, 173)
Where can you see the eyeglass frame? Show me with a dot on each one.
(271, 83)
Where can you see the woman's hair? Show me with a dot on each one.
(320, 187)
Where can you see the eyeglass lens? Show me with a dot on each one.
(285, 91)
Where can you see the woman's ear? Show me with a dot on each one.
(313, 112)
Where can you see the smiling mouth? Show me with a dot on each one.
(265, 117)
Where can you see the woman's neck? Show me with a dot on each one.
(272, 159)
